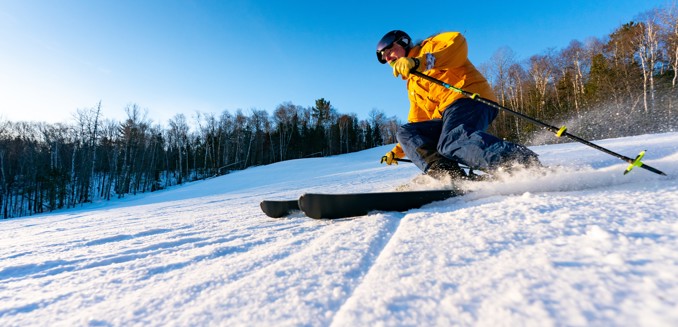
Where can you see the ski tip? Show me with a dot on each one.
(278, 209)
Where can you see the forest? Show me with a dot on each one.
(618, 85)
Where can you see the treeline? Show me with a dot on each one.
(619, 85)
(44, 167)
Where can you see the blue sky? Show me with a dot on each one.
(180, 56)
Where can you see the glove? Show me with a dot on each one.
(404, 65)
(389, 158)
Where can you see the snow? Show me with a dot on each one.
(579, 244)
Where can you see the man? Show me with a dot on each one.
(445, 128)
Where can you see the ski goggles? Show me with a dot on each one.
(386, 43)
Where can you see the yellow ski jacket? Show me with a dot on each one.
(445, 57)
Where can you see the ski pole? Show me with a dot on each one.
(558, 131)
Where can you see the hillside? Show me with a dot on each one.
(579, 245)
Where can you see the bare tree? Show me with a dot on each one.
(499, 70)
(177, 136)
(669, 33)
(647, 48)
(86, 135)
(572, 60)
(284, 117)
(541, 71)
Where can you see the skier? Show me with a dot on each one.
(445, 128)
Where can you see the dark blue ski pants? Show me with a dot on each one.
(460, 136)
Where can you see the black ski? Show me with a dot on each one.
(332, 206)
(277, 209)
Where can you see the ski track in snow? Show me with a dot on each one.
(567, 246)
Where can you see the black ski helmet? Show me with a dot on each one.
(395, 36)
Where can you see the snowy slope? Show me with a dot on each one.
(582, 245)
